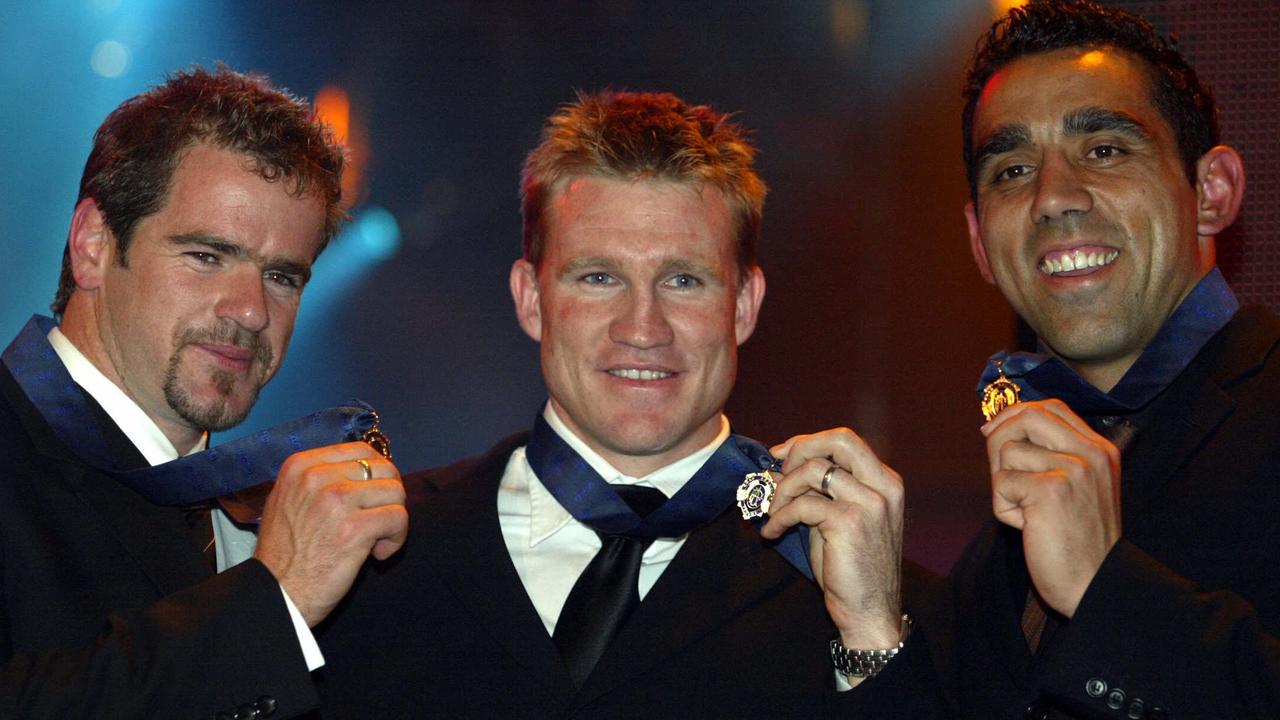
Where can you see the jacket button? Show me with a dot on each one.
(1157, 713)
(1115, 699)
(1095, 687)
(266, 706)
(1136, 706)
(246, 712)
(1036, 711)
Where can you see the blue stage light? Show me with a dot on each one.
(377, 232)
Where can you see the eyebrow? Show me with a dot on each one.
(605, 264)
(1005, 138)
(582, 263)
(1085, 121)
(1096, 119)
(237, 251)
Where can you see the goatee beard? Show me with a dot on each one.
(218, 414)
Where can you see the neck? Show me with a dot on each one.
(1102, 375)
(636, 465)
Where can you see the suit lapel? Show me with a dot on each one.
(996, 616)
(153, 537)
(722, 569)
(484, 579)
(1180, 421)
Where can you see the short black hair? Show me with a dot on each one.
(1183, 100)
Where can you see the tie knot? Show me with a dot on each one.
(643, 501)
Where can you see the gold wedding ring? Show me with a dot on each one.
(368, 470)
(826, 478)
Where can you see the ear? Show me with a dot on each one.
(89, 243)
(528, 299)
(1219, 190)
(975, 243)
(750, 296)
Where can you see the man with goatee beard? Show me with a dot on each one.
(126, 590)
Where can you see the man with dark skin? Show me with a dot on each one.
(1129, 570)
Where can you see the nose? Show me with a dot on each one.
(244, 300)
(1060, 192)
(642, 321)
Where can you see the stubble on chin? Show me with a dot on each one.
(220, 413)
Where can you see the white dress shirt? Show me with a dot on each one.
(550, 549)
(233, 545)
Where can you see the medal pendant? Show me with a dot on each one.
(377, 439)
(998, 395)
(755, 494)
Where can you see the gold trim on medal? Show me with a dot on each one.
(999, 394)
(755, 494)
(376, 438)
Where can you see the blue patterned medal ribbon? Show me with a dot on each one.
(1206, 310)
(590, 500)
(201, 476)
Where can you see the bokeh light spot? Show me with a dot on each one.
(110, 59)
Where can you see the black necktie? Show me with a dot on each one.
(606, 592)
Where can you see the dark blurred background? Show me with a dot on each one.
(875, 316)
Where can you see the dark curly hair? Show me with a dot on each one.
(657, 136)
(138, 147)
(1043, 25)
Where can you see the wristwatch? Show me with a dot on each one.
(866, 663)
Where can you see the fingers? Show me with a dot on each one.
(330, 509)
(333, 454)
(390, 524)
(858, 477)
(841, 445)
(1057, 481)
(1047, 424)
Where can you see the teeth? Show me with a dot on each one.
(1078, 260)
(634, 374)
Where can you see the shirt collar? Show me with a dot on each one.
(546, 515)
(141, 430)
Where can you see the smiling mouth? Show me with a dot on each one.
(636, 374)
(229, 357)
(1076, 261)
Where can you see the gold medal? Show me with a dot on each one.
(755, 494)
(376, 438)
(999, 394)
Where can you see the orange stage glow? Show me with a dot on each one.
(333, 106)
(1093, 58)
(1000, 7)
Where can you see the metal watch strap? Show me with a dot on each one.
(866, 663)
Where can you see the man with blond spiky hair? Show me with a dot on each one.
(601, 565)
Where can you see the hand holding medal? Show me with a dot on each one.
(329, 510)
(853, 504)
(1058, 481)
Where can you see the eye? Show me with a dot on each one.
(683, 281)
(202, 257)
(598, 278)
(1012, 172)
(282, 279)
(1105, 152)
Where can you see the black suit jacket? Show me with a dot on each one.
(1182, 619)
(107, 608)
(446, 628)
